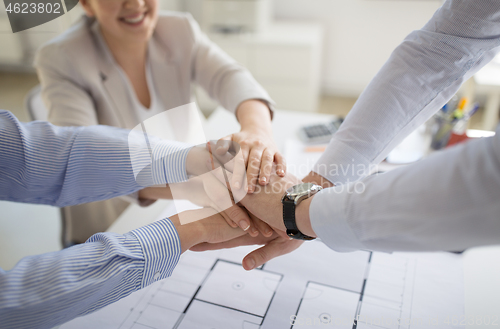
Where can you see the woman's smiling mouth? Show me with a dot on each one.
(134, 19)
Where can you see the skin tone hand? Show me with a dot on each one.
(273, 247)
(265, 203)
(213, 229)
(204, 190)
(277, 244)
(256, 142)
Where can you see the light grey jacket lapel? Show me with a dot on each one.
(114, 83)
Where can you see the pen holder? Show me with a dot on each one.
(442, 127)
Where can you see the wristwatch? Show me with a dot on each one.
(291, 199)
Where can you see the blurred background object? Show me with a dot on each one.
(486, 84)
(235, 15)
(18, 49)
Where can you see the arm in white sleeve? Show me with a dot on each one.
(448, 201)
(421, 75)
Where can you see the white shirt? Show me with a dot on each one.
(156, 107)
(446, 202)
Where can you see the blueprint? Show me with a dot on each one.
(313, 287)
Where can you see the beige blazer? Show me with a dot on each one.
(82, 85)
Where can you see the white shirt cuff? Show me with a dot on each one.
(341, 164)
(329, 219)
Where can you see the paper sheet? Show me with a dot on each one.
(311, 287)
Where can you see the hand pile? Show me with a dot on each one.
(234, 212)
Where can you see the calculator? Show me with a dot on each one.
(320, 133)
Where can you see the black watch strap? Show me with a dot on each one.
(290, 223)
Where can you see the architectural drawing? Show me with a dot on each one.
(313, 287)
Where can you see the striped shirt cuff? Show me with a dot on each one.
(161, 246)
(169, 162)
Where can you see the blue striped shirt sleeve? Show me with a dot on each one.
(47, 290)
(41, 163)
(61, 166)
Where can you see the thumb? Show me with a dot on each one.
(273, 249)
(222, 146)
(225, 177)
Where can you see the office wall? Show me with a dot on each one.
(17, 49)
(359, 35)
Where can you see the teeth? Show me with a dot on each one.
(134, 20)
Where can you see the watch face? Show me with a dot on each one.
(300, 189)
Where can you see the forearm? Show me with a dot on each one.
(155, 193)
(254, 114)
(448, 201)
(47, 290)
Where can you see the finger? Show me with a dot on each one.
(212, 162)
(237, 181)
(223, 203)
(223, 159)
(283, 234)
(224, 177)
(265, 166)
(240, 165)
(228, 219)
(234, 148)
(215, 230)
(263, 228)
(222, 145)
(239, 216)
(273, 249)
(221, 151)
(219, 196)
(205, 246)
(280, 164)
(253, 168)
(245, 240)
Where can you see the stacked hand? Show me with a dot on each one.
(255, 139)
(243, 169)
(275, 245)
(204, 190)
(257, 179)
(264, 207)
(212, 229)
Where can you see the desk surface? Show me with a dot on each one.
(481, 265)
